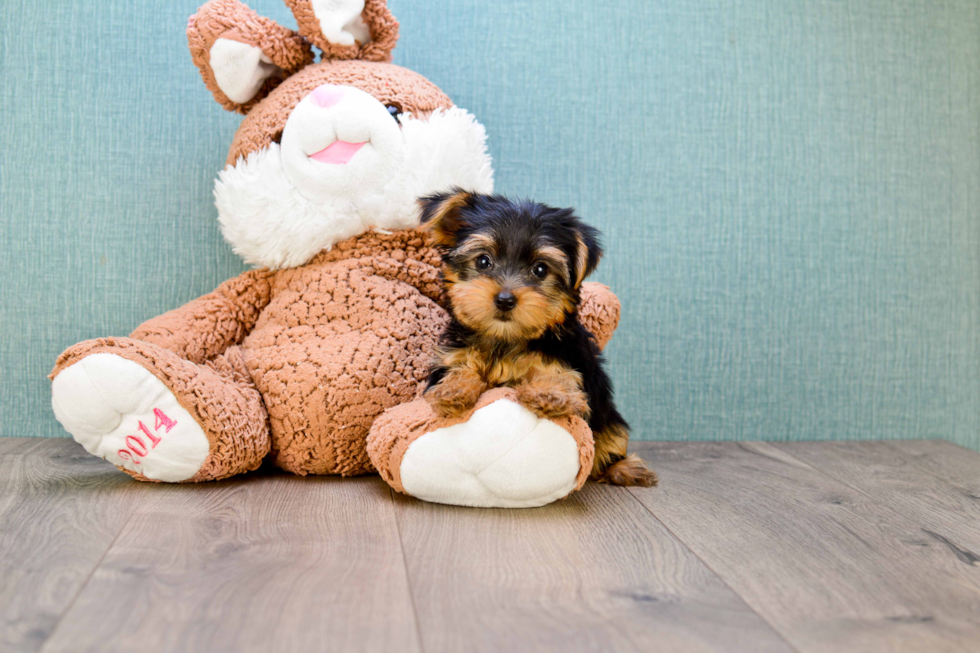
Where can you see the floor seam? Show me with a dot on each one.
(88, 579)
(724, 582)
(885, 507)
(408, 577)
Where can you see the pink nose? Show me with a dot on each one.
(328, 95)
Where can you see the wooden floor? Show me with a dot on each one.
(744, 547)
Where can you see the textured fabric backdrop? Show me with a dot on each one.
(789, 192)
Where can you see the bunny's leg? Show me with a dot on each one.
(160, 417)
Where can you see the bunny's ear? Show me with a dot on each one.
(241, 55)
(347, 29)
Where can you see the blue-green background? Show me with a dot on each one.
(788, 188)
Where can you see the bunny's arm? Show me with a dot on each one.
(599, 311)
(205, 327)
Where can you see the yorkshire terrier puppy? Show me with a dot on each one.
(513, 272)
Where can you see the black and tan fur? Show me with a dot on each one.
(513, 274)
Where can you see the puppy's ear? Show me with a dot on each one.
(588, 251)
(442, 215)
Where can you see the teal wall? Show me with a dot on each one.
(790, 191)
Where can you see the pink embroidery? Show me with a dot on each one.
(132, 441)
(154, 439)
(137, 448)
(163, 420)
(125, 455)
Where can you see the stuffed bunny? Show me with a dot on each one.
(296, 359)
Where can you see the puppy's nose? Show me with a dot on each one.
(505, 300)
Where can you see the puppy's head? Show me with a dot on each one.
(513, 270)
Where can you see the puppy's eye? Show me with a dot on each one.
(393, 110)
(540, 270)
(483, 262)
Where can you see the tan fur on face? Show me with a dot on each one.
(449, 277)
(537, 311)
(534, 313)
(472, 302)
(476, 244)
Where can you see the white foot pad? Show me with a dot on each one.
(504, 456)
(119, 411)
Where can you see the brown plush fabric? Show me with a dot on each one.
(599, 311)
(207, 326)
(220, 396)
(395, 430)
(314, 353)
(345, 337)
(388, 83)
(380, 22)
(230, 19)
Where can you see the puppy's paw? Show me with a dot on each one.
(630, 471)
(454, 395)
(552, 400)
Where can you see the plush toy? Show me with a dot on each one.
(297, 359)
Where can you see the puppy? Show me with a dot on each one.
(513, 272)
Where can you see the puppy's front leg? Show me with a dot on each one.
(554, 393)
(456, 392)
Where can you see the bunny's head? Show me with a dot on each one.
(327, 150)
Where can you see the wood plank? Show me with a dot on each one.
(42, 446)
(591, 573)
(264, 562)
(829, 568)
(956, 464)
(947, 511)
(59, 512)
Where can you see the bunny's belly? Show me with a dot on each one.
(328, 364)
